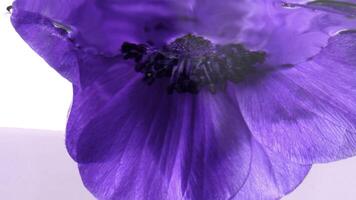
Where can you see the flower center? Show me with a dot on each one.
(192, 63)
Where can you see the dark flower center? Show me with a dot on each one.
(192, 63)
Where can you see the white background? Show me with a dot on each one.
(35, 165)
(32, 94)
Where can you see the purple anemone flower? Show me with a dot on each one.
(200, 99)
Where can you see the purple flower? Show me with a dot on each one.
(200, 99)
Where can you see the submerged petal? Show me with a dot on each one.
(58, 10)
(105, 25)
(271, 26)
(307, 112)
(271, 176)
(221, 21)
(291, 34)
(146, 144)
(82, 39)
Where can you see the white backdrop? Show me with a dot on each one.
(32, 94)
(35, 96)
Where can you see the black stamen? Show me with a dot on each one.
(192, 62)
(133, 51)
(9, 8)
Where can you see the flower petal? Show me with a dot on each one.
(221, 22)
(290, 33)
(54, 45)
(104, 25)
(271, 176)
(146, 144)
(307, 112)
(58, 10)
(92, 99)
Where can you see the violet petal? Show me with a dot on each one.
(307, 112)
